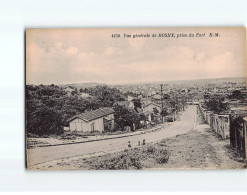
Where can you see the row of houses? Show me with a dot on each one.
(103, 119)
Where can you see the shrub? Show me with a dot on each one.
(130, 159)
(162, 156)
(151, 149)
(44, 121)
(162, 159)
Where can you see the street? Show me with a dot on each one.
(46, 154)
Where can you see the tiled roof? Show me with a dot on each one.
(153, 104)
(92, 115)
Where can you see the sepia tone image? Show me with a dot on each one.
(136, 98)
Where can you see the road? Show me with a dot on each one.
(46, 154)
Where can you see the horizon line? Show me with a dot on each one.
(141, 82)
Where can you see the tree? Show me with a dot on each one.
(236, 94)
(166, 97)
(44, 120)
(125, 117)
(216, 104)
(155, 111)
(164, 112)
(137, 104)
(60, 106)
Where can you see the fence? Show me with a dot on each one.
(219, 123)
(245, 138)
(238, 137)
(233, 126)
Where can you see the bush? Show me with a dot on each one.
(162, 156)
(30, 135)
(162, 159)
(122, 161)
(44, 121)
(130, 159)
(151, 149)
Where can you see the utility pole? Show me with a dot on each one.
(161, 99)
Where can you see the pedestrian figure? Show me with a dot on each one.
(139, 143)
(143, 143)
(129, 145)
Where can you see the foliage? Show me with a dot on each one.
(164, 112)
(216, 104)
(52, 124)
(155, 111)
(236, 94)
(166, 97)
(106, 96)
(127, 117)
(137, 158)
(137, 104)
(44, 101)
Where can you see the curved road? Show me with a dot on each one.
(45, 154)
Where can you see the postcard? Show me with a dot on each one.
(136, 98)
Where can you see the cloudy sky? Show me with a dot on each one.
(61, 56)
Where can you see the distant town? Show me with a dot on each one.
(191, 91)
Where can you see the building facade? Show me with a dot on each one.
(97, 120)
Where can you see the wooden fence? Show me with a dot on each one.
(238, 137)
(233, 126)
(219, 123)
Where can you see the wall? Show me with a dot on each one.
(98, 125)
(80, 125)
(109, 120)
(109, 117)
(219, 123)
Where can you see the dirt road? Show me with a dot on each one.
(46, 154)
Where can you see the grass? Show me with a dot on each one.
(137, 158)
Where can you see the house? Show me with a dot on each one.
(127, 104)
(139, 96)
(150, 107)
(69, 89)
(97, 120)
(156, 97)
(130, 98)
(145, 101)
(244, 92)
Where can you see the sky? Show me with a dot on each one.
(65, 56)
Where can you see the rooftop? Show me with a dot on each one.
(155, 104)
(124, 103)
(92, 115)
